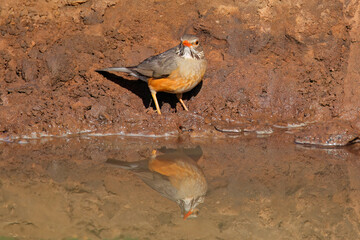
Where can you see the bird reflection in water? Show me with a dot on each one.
(173, 173)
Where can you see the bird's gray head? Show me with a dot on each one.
(190, 47)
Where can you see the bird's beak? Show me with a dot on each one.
(188, 214)
(186, 43)
(187, 207)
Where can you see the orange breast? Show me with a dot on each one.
(170, 168)
(169, 85)
(181, 80)
(181, 175)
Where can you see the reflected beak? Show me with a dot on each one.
(188, 214)
(186, 206)
(186, 43)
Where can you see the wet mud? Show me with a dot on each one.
(258, 188)
(269, 63)
(279, 73)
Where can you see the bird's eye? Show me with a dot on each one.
(197, 42)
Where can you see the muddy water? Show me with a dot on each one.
(258, 188)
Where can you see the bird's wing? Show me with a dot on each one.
(156, 181)
(158, 66)
(138, 166)
(159, 183)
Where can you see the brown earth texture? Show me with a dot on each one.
(278, 72)
(271, 64)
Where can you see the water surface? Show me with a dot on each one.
(258, 188)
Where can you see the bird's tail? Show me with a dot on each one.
(123, 69)
(137, 166)
(123, 164)
(115, 69)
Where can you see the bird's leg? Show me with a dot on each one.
(179, 96)
(153, 94)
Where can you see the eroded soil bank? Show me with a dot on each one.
(258, 188)
(270, 63)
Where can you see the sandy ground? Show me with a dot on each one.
(259, 188)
